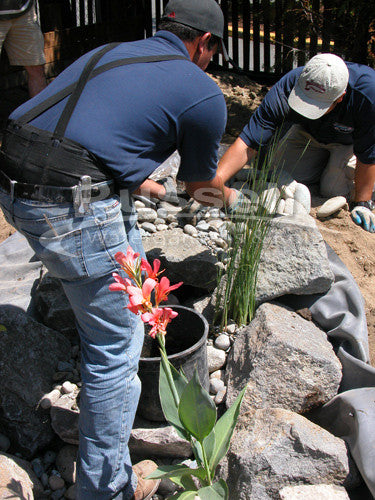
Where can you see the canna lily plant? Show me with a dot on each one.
(186, 404)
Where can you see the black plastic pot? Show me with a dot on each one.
(186, 344)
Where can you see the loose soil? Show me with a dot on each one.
(354, 246)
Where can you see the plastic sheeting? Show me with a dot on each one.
(340, 312)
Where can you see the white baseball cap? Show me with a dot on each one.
(323, 80)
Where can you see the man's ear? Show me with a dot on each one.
(341, 97)
(203, 41)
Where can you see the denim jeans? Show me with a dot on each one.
(79, 250)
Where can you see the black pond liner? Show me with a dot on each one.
(186, 345)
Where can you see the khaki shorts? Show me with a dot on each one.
(23, 40)
(309, 161)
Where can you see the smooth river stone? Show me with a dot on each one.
(331, 206)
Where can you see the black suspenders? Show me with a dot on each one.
(75, 89)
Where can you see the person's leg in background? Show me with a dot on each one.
(299, 154)
(337, 178)
(24, 44)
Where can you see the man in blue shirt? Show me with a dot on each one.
(100, 127)
(331, 106)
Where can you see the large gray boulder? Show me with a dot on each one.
(183, 258)
(293, 260)
(286, 361)
(29, 354)
(17, 479)
(275, 448)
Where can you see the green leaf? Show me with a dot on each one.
(185, 495)
(173, 471)
(217, 491)
(169, 407)
(197, 450)
(223, 431)
(187, 483)
(196, 410)
(209, 444)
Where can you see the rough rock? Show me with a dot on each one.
(66, 463)
(17, 479)
(293, 260)
(183, 258)
(54, 308)
(204, 306)
(286, 361)
(314, 492)
(277, 448)
(156, 439)
(29, 354)
(64, 418)
(147, 438)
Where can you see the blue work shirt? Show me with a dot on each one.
(133, 117)
(352, 121)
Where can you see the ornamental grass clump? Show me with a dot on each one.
(186, 404)
(248, 228)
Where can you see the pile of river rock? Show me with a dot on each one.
(289, 366)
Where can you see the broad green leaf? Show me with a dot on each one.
(169, 407)
(196, 410)
(185, 495)
(187, 483)
(197, 450)
(176, 471)
(223, 431)
(209, 444)
(217, 491)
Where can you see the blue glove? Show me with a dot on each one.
(364, 217)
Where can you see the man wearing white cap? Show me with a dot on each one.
(331, 107)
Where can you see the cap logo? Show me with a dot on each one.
(172, 14)
(315, 87)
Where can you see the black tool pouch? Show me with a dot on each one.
(37, 157)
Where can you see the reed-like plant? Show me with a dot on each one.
(248, 228)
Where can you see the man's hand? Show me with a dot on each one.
(363, 216)
(238, 204)
(170, 190)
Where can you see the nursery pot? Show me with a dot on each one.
(186, 346)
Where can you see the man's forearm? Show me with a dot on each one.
(211, 193)
(151, 189)
(364, 181)
(235, 158)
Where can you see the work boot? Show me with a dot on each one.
(145, 487)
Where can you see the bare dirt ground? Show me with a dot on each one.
(353, 245)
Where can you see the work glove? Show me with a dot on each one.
(170, 190)
(362, 215)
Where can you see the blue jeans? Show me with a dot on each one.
(79, 250)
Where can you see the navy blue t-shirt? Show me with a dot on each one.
(133, 117)
(351, 122)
